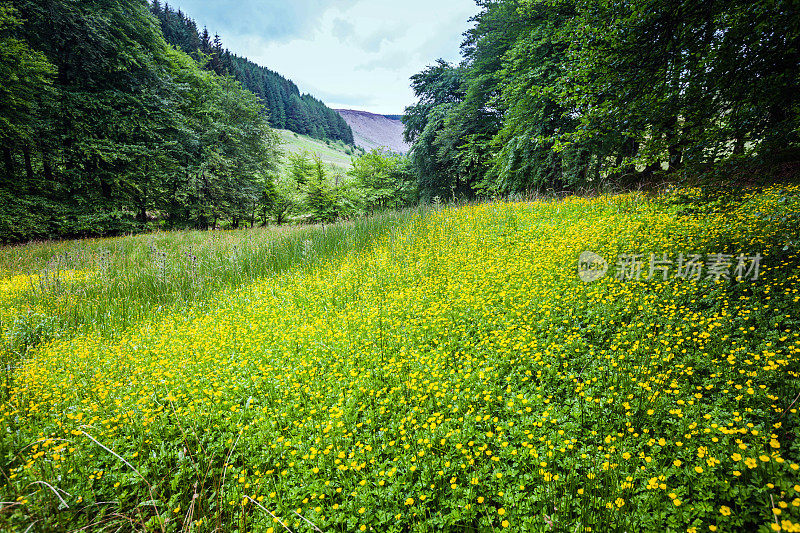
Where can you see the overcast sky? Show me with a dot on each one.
(354, 54)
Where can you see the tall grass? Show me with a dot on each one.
(105, 285)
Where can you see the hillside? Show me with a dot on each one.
(374, 131)
(334, 153)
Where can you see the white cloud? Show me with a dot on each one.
(342, 30)
(350, 53)
(278, 20)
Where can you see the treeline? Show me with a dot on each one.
(572, 93)
(311, 191)
(287, 108)
(104, 126)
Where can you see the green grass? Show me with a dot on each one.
(331, 154)
(439, 370)
(135, 278)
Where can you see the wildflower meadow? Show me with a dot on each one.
(437, 369)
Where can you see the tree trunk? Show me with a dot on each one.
(738, 145)
(105, 189)
(26, 152)
(141, 215)
(47, 166)
(8, 159)
(675, 157)
(673, 138)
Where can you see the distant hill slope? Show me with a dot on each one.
(374, 131)
(333, 153)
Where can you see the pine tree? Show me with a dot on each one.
(205, 41)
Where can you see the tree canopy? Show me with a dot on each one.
(106, 125)
(567, 93)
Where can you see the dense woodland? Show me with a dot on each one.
(567, 94)
(106, 127)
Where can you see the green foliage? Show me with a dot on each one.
(572, 93)
(130, 130)
(384, 180)
(439, 91)
(321, 199)
(282, 201)
(524, 154)
(307, 187)
(26, 76)
(300, 167)
(682, 82)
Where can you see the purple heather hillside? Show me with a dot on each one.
(375, 131)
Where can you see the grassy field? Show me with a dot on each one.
(431, 370)
(330, 154)
(58, 288)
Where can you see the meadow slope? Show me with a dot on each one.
(332, 154)
(453, 374)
